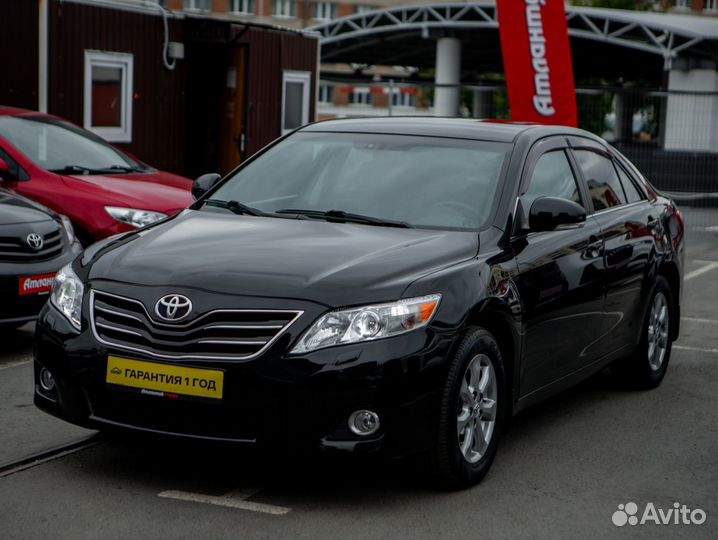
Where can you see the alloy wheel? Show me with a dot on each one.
(478, 402)
(658, 320)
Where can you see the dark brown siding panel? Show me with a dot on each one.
(18, 54)
(159, 100)
(270, 53)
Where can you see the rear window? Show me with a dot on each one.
(602, 180)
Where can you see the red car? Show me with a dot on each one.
(103, 190)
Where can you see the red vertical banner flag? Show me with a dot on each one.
(537, 61)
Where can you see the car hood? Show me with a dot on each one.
(334, 264)
(157, 191)
(17, 209)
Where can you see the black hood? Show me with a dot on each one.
(16, 209)
(331, 263)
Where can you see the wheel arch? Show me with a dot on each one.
(669, 270)
(496, 318)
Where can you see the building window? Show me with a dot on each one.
(324, 11)
(295, 99)
(284, 8)
(363, 8)
(326, 93)
(710, 5)
(244, 7)
(200, 6)
(108, 95)
(361, 95)
(683, 4)
(407, 98)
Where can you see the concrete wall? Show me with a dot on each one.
(692, 120)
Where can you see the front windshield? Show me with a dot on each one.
(59, 146)
(427, 182)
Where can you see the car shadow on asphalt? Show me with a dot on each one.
(17, 342)
(285, 477)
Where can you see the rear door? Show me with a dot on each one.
(628, 223)
(560, 276)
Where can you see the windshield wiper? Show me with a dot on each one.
(341, 215)
(236, 207)
(124, 168)
(81, 169)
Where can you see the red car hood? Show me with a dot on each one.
(158, 191)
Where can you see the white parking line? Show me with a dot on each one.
(697, 272)
(14, 364)
(699, 320)
(234, 499)
(695, 349)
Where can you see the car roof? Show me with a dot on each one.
(460, 128)
(15, 111)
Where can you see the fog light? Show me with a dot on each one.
(47, 381)
(364, 422)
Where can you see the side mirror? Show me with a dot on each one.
(547, 213)
(5, 173)
(204, 183)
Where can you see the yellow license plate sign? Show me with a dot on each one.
(171, 379)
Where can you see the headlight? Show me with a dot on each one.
(136, 218)
(66, 295)
(368, 323)
(69, 229)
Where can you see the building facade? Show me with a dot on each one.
(187, 93)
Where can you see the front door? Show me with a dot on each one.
(560, 281)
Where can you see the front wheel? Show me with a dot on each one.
(472, 412)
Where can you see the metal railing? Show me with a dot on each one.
(671, 136)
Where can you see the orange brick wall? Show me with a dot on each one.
(344, 10)
(220, 6)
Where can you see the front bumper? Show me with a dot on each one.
(270, 400)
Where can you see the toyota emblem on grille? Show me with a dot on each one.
(173, 307)
(35, 241)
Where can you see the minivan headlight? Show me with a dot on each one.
(66, 295)
(368, 323)
(69, 229)
(134, 217)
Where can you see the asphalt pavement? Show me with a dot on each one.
(562, 470)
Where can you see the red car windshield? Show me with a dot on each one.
(61, 147)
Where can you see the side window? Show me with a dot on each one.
(602, 180)
(552, 177)
(629, 186)
(18, 173)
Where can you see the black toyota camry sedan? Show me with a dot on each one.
(34, 244)
(404, 285)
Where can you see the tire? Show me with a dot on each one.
(454, 468)
(647, 366)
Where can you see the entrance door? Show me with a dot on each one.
(232, 127)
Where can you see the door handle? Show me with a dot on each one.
(594, 248)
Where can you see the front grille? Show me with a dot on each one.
(222, 334)
(13, 249)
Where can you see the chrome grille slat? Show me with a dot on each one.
(243, 327)
(115, 329)
(126, 323)
(13, 249)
